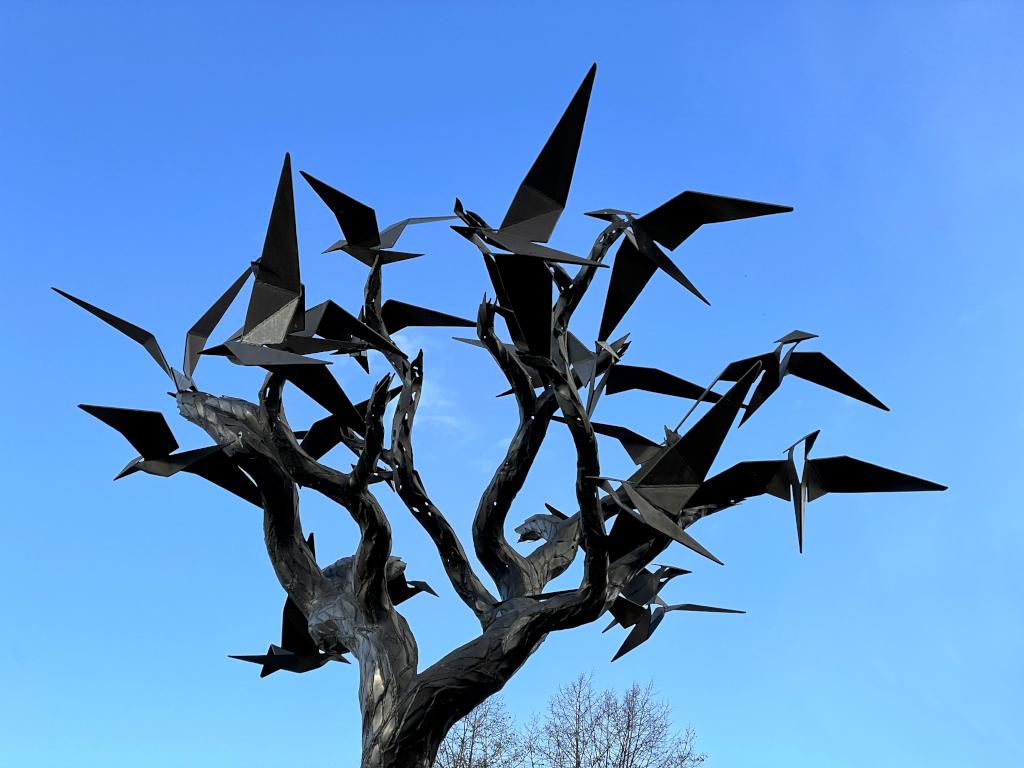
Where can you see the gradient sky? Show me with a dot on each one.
(142, 149)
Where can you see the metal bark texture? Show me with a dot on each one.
(348, 609)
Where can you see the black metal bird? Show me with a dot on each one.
(150, 435)
(358, 221)
(834, 474)
(640, 592)
(639, 256)
(811, 366)
(521, 277)
(194, 340)
(400, 590)
(648, 622)
(298, 652)
(659, 490)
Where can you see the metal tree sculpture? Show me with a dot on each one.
(349, 607)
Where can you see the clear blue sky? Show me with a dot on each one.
(141, 151)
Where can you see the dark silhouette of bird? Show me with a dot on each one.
(782, 479)
(358, 221)
(660, 488)
(639, 256)
(150, 435)
(298, 651)
(811, 366)
(639, 592)
(194, 339)
(522, 277)
(542, 195)
(275, 334)
(400, 590)
(648, 621)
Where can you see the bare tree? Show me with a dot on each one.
(485, 738)
(583, 727)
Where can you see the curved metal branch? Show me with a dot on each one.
(349, 490)
(410, 489)
(588, 601)
(246, 432)
(507, 567)
(374, 530)
(408, 483)
(570, 298)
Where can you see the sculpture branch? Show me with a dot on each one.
(351, 490)
(374, 530)
(410, 489)
(244, 430)
(507, 567)
(569, 298)
(408, 483)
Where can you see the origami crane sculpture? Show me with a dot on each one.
(619, 526)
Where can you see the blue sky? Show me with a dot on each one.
(142, 149)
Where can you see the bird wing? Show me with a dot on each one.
(199, 333)
(295, 635)
(147, 431)
(527, 286)
(209, 463)
(733, 371)
(741, 481)
(654, 518)
(217, 468)
(322, 436)
(701, 608)
(640, 633)
(398, 315)
(626, 612)
(244, 353)
(275, 305)
(517, 244)
(335, 322)
(689, 458)
(358, 221)
(389, 236)
(675, 220)
(541, 197)
(816, 368)
(651, 250)
(625, 377)
(639, 448)
(843, 474)
(631, 271)
(133, 332)
(319, 385)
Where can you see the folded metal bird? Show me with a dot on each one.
(639, 256)
(782, 479)
(811, 366)
(358, 221)
(298, 651)
(649, 621)
(521, 276)
(659, 490)
(149, 434)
